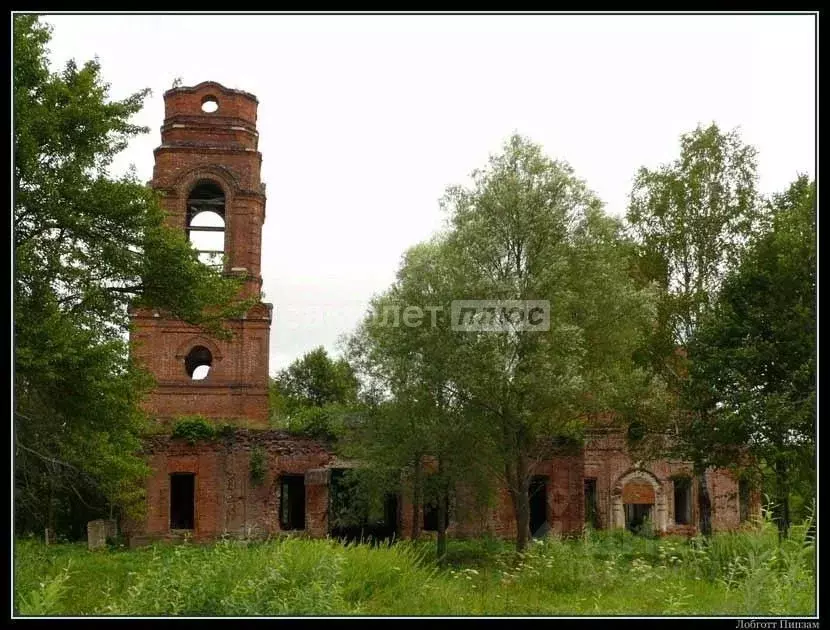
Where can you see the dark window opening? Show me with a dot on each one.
(385, 527)
(206, 223)
(354, 516)
(347, 506)
(292, 502)
(682, 501)
(591, 508)
(390, 514)
(430, 510)
(182, 486)
(636, 515)
(743, 499)
(538, 496)
(198, 362)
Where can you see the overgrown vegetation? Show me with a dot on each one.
(712, 271)
(193, 430)
(607, 573)
(691, 220)
(753, 360)
(87, 245)
(489, 406)
(314, 396)
(196, 428)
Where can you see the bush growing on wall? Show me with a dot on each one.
(196, 428)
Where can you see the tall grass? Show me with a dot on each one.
(743, 574)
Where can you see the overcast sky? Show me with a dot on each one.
(364, 120)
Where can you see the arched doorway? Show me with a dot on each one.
(638, 495)
(638, 504)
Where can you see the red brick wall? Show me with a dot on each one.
(187, 101)
(607, 460)
(228, 502)
(221, 147)
(469, 517)
(226, 499)
(236, 388)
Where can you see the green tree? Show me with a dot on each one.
(417, 424)
(312, 393)
(692, 220)
(530, 229)
(753, 358)
(87, 246)
(527, 229)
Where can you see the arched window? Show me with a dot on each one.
(198, 362)
(206, 222)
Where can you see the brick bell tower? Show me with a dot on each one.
(207, 169)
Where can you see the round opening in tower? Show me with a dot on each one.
(209, 104)
(198, 362)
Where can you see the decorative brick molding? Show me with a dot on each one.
(637, 486)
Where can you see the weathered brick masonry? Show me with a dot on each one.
(608, 461)
(219, 149)
(208, 164)
(227, 501)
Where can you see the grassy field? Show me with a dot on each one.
(604, 573)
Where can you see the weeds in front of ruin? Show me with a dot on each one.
(747, 573)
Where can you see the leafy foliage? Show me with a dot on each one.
(87, 246)
(356, 499)
(194, 430)
(691, 220)
(197, 428)
(414, 420)
(316, 380)
(315, 396)
(527, 229)
(754, 356)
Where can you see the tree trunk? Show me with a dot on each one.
(522, 521)
(441, 543)
(417, 498)
(441, 540)
(512, 485)
(49, 534)
(782, 499)
(521, 504)
(704, 503)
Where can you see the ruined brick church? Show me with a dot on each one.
(207, 170)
